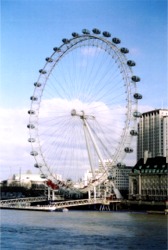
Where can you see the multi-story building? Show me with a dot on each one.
(27, 180)
(119, 175)
(153, 133)
(121, 178)
(148, 180)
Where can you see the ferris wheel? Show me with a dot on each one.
(84, 111)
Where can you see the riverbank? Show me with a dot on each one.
(144, 205)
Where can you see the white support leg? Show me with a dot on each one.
(53, 195)
(48, 193)
(89, 195)
(94, 193)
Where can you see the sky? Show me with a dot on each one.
(29, 31)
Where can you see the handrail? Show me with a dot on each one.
(56, 205)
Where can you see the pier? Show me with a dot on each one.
(26, 204)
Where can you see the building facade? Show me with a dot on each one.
(153, 133)
(27, 180)
(119, 176)
(149, 180)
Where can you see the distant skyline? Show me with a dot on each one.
(29, 31)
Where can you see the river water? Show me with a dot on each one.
(82, 230)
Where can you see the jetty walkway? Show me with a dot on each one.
(27, 203)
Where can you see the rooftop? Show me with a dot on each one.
(156, 165)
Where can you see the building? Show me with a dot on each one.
(119, 175)
(149, 179)
(27, 180)
(121, 179)
(153, 133)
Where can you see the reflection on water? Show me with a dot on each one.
(82, 230)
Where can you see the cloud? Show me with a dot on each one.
(14, 147)
(63, 142)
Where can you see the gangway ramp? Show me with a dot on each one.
(9, 202)
(25, 203)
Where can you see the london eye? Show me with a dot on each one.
(84, 110)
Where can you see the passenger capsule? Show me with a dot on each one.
(116, 40)
(74, 34)
(33, 98)
(49, 59)
(73, 112)
(42, 71)
(124, 50)
(128, 150)
(36, 165)
(56, 49)
(106, 34)
(37, 84)
(31, 112)
(31, 140)
(137, 96)
(137, 114)
(43, 176)
(33, 153)
(131, 63)
(135, 78)
(110, 177)
(85, 32)
(133, 132)
(31, 126)
(96, 31)
(65, 40)
(119, 165)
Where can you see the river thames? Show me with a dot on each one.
(82, 230)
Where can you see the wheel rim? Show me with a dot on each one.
(87, 73)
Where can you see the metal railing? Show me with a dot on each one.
(22, 200)
(25, 202)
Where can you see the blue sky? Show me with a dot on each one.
(29, 31)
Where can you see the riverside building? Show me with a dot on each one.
(148, 180)
(153, 133)
(120, 178)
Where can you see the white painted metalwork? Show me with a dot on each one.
(23, 203)
(89, 73)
